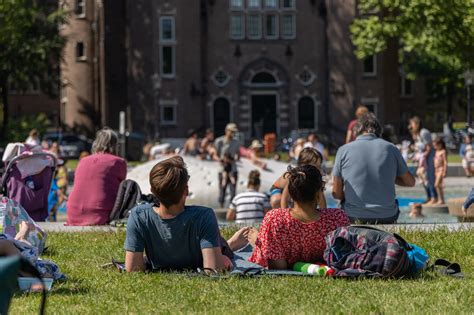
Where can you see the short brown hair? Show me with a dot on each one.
(168, 180)
(310, 156)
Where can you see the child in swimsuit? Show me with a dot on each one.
(441, 166)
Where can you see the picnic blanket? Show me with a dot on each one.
(243, 267)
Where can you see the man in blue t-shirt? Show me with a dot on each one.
(172, 235)
(365, 173)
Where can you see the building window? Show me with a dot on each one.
(306, 77)
(371, 103)
(80, 8)
(167, 47)
(168, 113)
(167, 29)
(221, 78)
(264, 78)
(370, 66)
(288, 4)
(236, 4)
(306, 113)
(80, 51)
(288, 26)
(237, 26)
(406, 86)
(167, 61)
(254, 26)
(271, 26)
(271, 4)
(254, 4)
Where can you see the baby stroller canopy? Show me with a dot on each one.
(28, 177)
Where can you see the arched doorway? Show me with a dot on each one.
(221, 115)
(263, 97)
(306, 113)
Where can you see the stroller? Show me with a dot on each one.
(27, 178)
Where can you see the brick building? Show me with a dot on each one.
(268, 65)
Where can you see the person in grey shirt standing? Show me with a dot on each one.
(228, 151)
(365, 173)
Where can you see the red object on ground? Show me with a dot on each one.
(96, 184)
(283, 237)
(269, 142)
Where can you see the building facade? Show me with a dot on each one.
(267, 65)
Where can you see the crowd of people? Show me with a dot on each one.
(294, 215)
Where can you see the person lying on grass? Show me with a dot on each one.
(173, 236)
(279, 191)
(295, 234)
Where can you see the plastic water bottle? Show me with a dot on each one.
(313, 269)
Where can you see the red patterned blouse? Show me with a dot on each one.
(283, 237)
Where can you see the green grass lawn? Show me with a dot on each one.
(92, 290)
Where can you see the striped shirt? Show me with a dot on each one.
(250, 206)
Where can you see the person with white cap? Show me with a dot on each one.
(228, 150)
(254, 154)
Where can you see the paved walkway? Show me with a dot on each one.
(60, 227)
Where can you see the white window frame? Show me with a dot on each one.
(371, 101)
(236, 7)
(83, 5)
(172, 40)
(277, 26)
(268, 7)
(403, 81)
(250, 7)
(259, 36)
(293, 5)
(373, 73)
(84, 50)
(293, 36)
(173, 65)
(166, 104)
(242, 28)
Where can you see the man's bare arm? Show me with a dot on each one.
(337, 188)
(406, 180)
(134, 261)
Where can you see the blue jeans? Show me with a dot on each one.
(430, 176)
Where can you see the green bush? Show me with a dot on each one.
(19, 128)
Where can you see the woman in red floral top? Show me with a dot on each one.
(296, 234)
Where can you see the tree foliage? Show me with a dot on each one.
(434, 36)
(30, 44)
(19, 128)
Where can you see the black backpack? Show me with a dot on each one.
(129, 195)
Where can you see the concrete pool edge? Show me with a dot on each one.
(451, 227)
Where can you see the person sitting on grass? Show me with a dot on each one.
(250, 206)
(296, 234)
(96, 182)
(365, 174)
(173, 236)
(279, 193)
